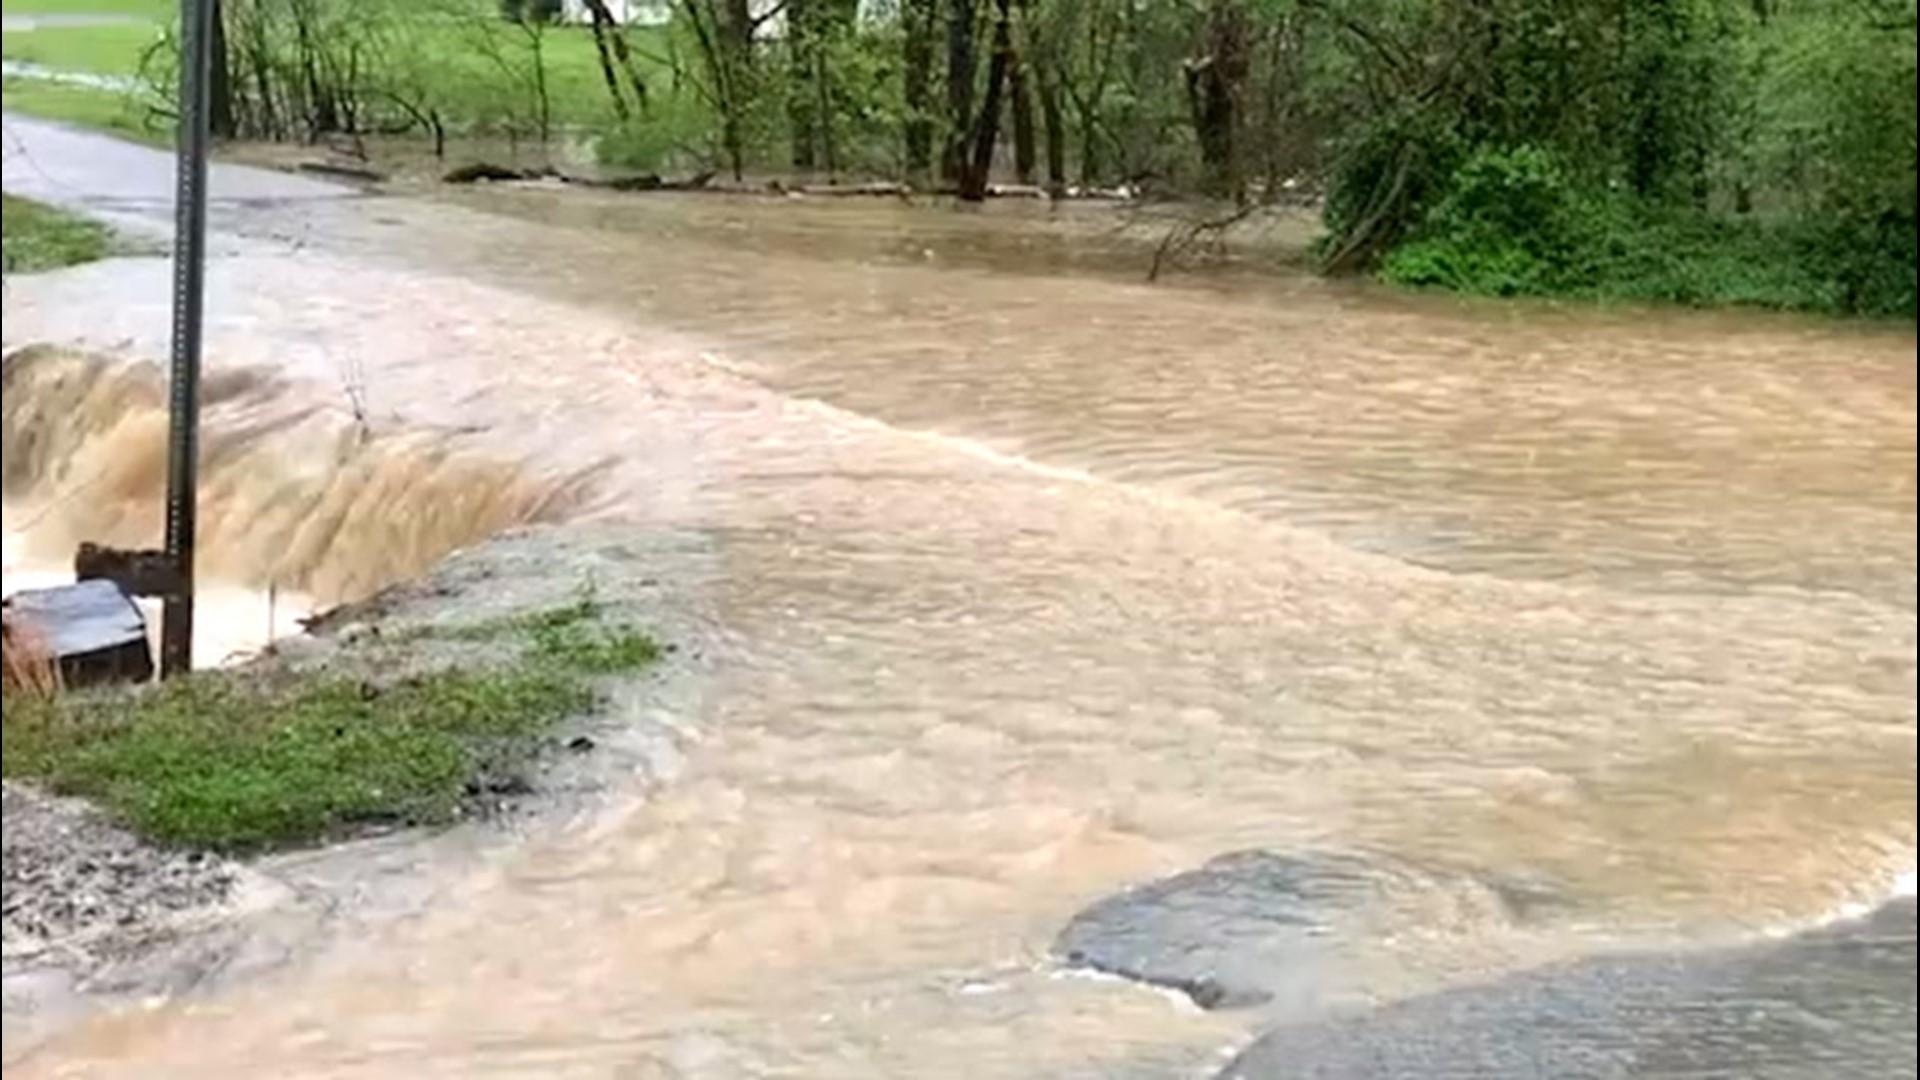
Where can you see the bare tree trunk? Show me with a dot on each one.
(918, 17)
(960, 65)
(1022, 103)
(803, 42)
(321, 116)
(267, 115)
(1040, 58)
(606, 34)
(724, 76)
(986, 133)
(824, 107)
(621, 51)
(220, 119)
(1214, 79)
(1056, 131)
(542, 94)
(605, 52)
(736, 31)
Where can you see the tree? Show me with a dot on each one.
(1643, 133)
(986, 128)
(1214, 75)
(918, 22)
(728, 85)
(1043, 54)
(1021, 103)
(961, 16)
(220, 118)
(815, 29)
(611, 47)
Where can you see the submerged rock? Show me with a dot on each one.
(1249, 925)
(1833, 1004)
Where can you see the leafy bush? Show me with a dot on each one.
(674, 135)
(1838, 132)
(1514, 223)
(1509, 224)
(1384, 176)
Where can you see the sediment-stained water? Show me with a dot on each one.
(1033, 582)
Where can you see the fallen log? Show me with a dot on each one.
(874, 189)
(485, 172)
(137, 573)
(1016, 191)
(335, 170)
(644, 182)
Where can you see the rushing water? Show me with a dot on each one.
(1034, 581)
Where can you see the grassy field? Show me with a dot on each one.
(243, 761)
(477, 72)
(40, 237)
(98, 50)
(155, 9)
(111, 111)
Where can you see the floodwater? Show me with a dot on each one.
(236, 622)
(1030, 581)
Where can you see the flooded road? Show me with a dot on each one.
(1028, 582)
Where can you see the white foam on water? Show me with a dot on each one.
(1899, 886)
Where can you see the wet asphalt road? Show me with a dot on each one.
(1833, 1004)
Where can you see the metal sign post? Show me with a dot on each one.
(189, 293)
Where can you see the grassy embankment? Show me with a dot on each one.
(39, 237)
(153, 9)
(111, 51)
(266, 757)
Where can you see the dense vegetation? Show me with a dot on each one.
(1752, 151)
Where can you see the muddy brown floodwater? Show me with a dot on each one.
(1029, 581)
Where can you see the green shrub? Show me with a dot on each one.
(673, 136)
(1508, 224)
(1514, 223)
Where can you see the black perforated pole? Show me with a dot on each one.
(189, 294)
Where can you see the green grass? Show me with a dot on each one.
(244, 761)
(154, 9)
(112, 111)
(570, 636)
(99, 50)
(450, 64)
(39, 237)
(448, 56)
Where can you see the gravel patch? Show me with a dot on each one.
(74, 879)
